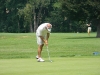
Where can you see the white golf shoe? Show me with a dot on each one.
(37, 57)
(40, 60)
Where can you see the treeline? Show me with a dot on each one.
(21, 16)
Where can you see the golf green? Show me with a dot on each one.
(59, 66)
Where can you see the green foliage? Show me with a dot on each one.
(65, 15)
(84, 9)
(9, 22)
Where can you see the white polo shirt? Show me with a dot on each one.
(41, 30)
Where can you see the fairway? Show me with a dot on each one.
(71, 53)
(59, 66)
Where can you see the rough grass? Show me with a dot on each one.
(23, 45)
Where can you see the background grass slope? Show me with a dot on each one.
(23, 45)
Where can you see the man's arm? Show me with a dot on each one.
(48, 34)
(44, 40)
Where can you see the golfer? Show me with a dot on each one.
(89, 28)
(42, 34)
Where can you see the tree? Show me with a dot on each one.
(9, 18)
(27, 14)
(60, 24)
(36, 12)
(61, 21)
(82, 10)
(3, 15)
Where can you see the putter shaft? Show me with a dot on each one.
(48, 54)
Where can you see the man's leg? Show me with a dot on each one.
(39, 51)
(88, 31)
(40, 47)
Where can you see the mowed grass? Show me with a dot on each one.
(59, 66)
(71, 53)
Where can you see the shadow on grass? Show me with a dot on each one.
(67, 56)
(81, 38)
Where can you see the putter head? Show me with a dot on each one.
(51, 61)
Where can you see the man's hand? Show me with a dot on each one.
(46, 42)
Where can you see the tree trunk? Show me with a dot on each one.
(31, 27)
(98, 31)
(18, 27)
(39, 16)
(35, 24)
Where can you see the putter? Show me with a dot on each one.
(49, 54)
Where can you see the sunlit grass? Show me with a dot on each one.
(59, 66)
(23, 45)
(71, 53)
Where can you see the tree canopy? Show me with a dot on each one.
(83, 10)
(23, 16)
